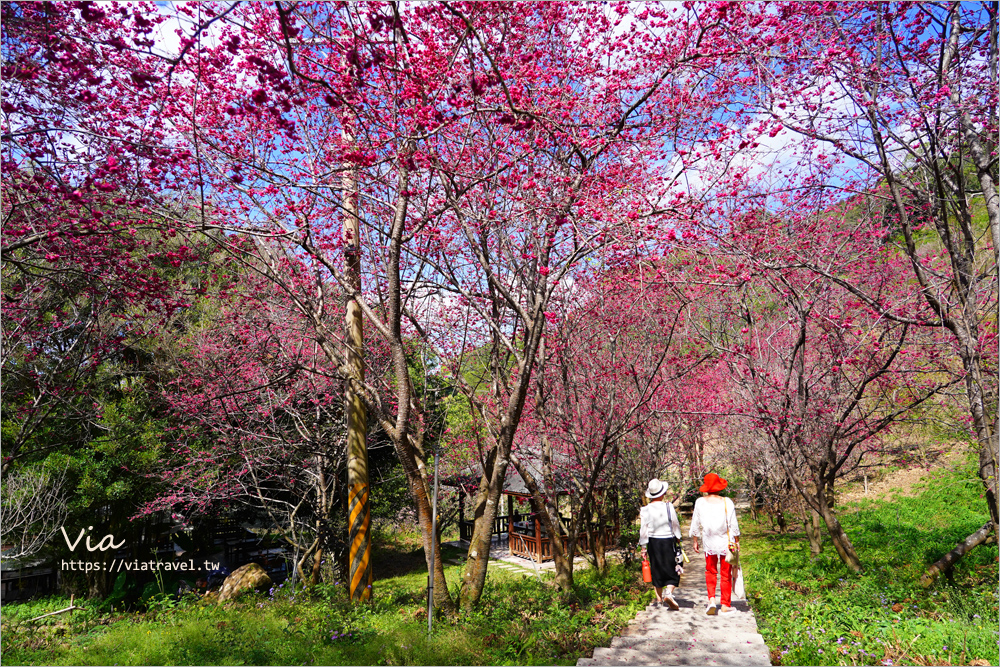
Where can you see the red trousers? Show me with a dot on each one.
(711, 572)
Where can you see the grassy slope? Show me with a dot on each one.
(521, 621)
(813, 611)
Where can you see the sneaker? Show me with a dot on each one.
(656, 603)
(727, 610)
(711, 611)
(671, 602)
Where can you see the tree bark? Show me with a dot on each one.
(484, 512)
(498, 459)
(810, 521)
(946, 562)
(359, 500)
(316, 568)
(779, 521)
(419, 491)
(548, 510)
(841, 542)
(598, 548)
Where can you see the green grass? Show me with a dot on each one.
(521, 621)
(811, 611)
(814, 611)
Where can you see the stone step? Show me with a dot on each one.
(731, 656)
(697, 611)
(686, 633)
(731, 624)
(698, 606)
(664, 645)
(689, 636)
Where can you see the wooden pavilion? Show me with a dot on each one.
(524, 532)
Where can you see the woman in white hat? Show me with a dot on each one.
(660, 530)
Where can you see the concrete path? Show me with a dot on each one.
(688, 636)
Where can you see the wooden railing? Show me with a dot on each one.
(527, 545)
(465, 529)
(523, 541)
(501, 526)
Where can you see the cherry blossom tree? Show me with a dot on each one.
(260, 420)
(487, 168)
(905, 96)
(89, 265)
(600, 376)
(819, 372)
(567, 178)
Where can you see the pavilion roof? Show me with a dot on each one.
(469, 477)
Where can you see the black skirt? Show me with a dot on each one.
(661, 552)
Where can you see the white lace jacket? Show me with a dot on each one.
(709, 523)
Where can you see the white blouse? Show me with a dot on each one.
(709, 523)
(658, 520)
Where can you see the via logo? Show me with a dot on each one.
(101, 546)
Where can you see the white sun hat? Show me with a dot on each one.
(656, 488)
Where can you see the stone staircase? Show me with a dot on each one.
(688, 636)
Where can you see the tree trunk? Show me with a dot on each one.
(485, 512)
(596, 532)
(779, 520)
(355, 412)
(810, 521)
(988, 474)
(562, 551)
(984, 426)
(317, 564)
(989, 443)
(98, 585)
(598, 548)
(841, 542)
(548, 509)
(431, 539)
(946, 562)
(563, 560)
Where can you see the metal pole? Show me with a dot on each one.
(430, 574)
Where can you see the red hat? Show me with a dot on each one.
(713, 483)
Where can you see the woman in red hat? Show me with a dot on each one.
(714, 523)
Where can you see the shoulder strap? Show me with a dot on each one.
(725, 508)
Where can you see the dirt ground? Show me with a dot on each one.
(883, 485)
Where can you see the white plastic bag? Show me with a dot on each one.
(739, 589)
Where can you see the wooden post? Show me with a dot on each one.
(538, 539)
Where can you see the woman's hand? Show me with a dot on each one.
(696, 550)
